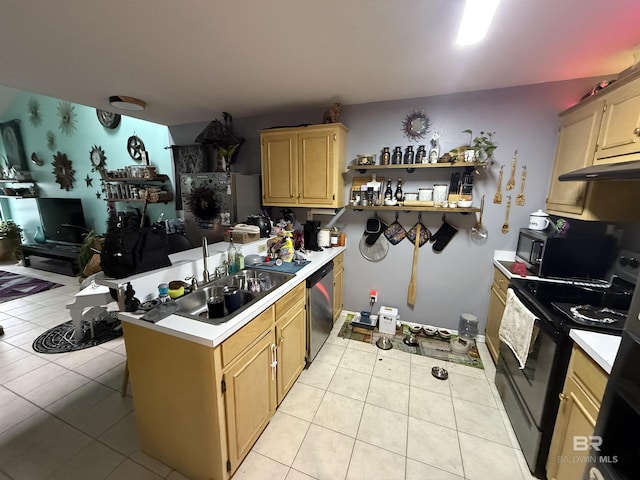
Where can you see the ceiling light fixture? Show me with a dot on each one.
(476, 19)
(126, 103)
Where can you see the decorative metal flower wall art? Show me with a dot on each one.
(51, 140)
(63, 171)
(67, 115)
(35, 116)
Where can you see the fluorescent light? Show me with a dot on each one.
(126, 103)
(476, 19)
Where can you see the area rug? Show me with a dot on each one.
(434, 347)
(59, 339)
(14, 285)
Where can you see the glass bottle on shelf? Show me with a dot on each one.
(399, 195)
(396, 159)
(388, 193)
(385, 158)
(421, 154)
(409, 155)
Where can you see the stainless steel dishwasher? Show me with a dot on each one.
(319, 309)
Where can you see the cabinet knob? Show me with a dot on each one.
(335, 136)
(637, 131)
(563, 397)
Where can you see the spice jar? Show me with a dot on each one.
(385, 158)
(335, 234)
(342, 239)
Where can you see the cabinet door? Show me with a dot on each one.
(620, 131)
(494, 316)
(279, 168)
(576, 417)
(316, 167)
(250, 397)
(338, 277)
(576, 149)
(291, 338)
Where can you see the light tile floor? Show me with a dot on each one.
(357, 413)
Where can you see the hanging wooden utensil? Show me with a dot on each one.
(520, 196)
(512, 178)
(413, 283)
(497, 198)
(505, 225)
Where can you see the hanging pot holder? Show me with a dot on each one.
(395, 232)
(425, 234)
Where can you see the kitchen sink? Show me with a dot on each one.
(252, 285)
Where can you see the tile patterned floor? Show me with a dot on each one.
(356, 413)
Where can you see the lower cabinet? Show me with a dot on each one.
(579, 406)
(200, 409)
(497, 301)
(338, 281)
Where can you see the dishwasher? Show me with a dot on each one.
(319, 309)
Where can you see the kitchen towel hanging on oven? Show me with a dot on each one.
(517, 328)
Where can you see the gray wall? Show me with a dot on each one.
(458, 279)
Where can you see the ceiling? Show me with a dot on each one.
(192, 59)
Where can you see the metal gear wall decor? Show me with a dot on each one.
(63, 171)
(67, 115)
(135, 147)
(51, 140)
(98, 159)
(35, 116)
(416, 125)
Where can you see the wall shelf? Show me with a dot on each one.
(412, 208)
(411, 167)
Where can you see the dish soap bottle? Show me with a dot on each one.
(286, 250)
(239, 260)
(231, 258)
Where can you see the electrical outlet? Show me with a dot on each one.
(373, 296)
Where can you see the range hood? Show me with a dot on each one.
(612, 171)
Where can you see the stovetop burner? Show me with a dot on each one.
(592, 316)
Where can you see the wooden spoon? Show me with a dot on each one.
(497, 198)
(505, 225)
(512, 178)
(413, 283)
(520, 196)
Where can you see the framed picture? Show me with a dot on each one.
(13, 147)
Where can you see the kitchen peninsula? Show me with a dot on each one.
(203, 393)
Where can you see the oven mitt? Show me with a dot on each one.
(373, 230)
(443, 236)
(425, 234)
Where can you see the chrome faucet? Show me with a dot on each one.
(205, 254)
(194, 282)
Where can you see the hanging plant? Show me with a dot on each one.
(67, 115)
(220, 134)
(35, 117)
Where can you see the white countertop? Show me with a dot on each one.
(212, 335)
(600, 347)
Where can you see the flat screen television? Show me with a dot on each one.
(62, 219)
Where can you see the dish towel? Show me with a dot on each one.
(516, 327)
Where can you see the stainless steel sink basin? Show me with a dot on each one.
(252, 286)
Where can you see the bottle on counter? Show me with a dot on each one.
(399, 195)
(342, 239)
(231, 258)
(239, 260)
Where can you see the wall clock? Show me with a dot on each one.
(63, 171)
(98, 159)
(108, 119)
(135, 147)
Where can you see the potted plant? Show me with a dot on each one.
(10, 238)
(482, 145)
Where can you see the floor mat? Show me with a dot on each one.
(14, 285)
(59, 339)
(434, 347)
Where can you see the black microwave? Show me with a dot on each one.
(552, 256)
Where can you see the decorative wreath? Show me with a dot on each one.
(202, 203)
(63, 171)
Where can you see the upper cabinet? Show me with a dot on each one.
(304, 166)
(602, 129)
(619, 138)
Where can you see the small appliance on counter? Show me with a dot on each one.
(311, 229)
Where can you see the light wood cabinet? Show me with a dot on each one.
(497, 302)
(250, 397)
(579, 406)
(601, 129)
(200, 409)
(619, 138)
(304, 166)
(338, 283)
(291, 338)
